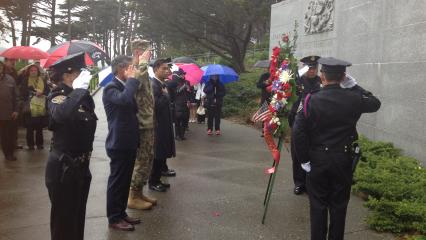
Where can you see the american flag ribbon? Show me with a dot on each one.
(262, 114)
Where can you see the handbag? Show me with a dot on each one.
(201, 110)
(38, 106)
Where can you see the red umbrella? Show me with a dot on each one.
(193, 72)
(24, 52)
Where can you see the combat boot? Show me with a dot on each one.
(151, 200)
(135, 201)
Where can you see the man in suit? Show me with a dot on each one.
(164, 142)
(122, 140)
(324, 132)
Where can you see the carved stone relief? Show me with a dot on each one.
(319, 16)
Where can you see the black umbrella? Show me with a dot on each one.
(184, 60)
(262, 64)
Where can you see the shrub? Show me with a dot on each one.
(242, 97)
(396, 186)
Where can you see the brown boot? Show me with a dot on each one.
(151, 200)
(135, 201)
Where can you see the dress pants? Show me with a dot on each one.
(214, 114)
(35, 125)
(122, 163)
(329, 187)
(158, 166)
(299, 175)
(180, 126)
(8, 136)
(68, 194)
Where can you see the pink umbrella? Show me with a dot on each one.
(193, 72)
(24, 52)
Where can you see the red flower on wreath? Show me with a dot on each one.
(285, 38)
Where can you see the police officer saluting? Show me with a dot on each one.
(73, 123)
(307, 83)
(324, 131)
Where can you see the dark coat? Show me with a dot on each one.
(304, 87)
(120, 108)
(72, 119)
(330, 119)
(164, 137)
(266, 96)
(182, 98)
(214, 91)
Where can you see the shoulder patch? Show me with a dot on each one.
(59, 99)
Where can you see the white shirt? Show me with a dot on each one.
(121, 81)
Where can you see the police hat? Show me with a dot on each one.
(333, 65)
(311, 61)
(69, 63)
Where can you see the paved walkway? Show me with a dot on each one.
(217, 194)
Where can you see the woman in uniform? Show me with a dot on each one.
(73, 123)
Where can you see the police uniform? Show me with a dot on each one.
(323, 133)
(73, 123)
(305, 85)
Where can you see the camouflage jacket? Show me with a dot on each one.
(144, 98)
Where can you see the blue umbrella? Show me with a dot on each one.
(226, 74)
(105, 76)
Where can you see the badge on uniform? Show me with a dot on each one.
(59, 99)
(300, 107)
(81, 109)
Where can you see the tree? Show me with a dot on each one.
(224, 27)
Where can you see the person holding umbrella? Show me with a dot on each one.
(73, 123)
(215, 91)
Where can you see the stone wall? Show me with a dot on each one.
(386, 42)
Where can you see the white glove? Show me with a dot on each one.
(348, 82)
(306, 166)
(82, 81)
(303, 70)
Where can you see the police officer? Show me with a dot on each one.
(307, 83)
(324, 131)
(73, 123)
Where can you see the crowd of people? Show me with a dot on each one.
(24, 104)
(145, 116)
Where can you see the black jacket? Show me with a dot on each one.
(72, 119)
(330, 118)
(164, 136)
(304, 86)
(266, 96)
(214, 91)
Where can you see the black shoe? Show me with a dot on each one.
(40, 147)
(299, 190)
(166, 185)
(19, 147)
(169, 173)
(159, 187)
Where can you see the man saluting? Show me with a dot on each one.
(324, 131)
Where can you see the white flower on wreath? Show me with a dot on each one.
(285, 76)
(276, 120)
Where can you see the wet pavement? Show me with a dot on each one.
(217, 194)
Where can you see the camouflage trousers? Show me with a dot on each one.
(144, 158)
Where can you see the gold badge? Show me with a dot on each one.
(313, 58)
(59, 99)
